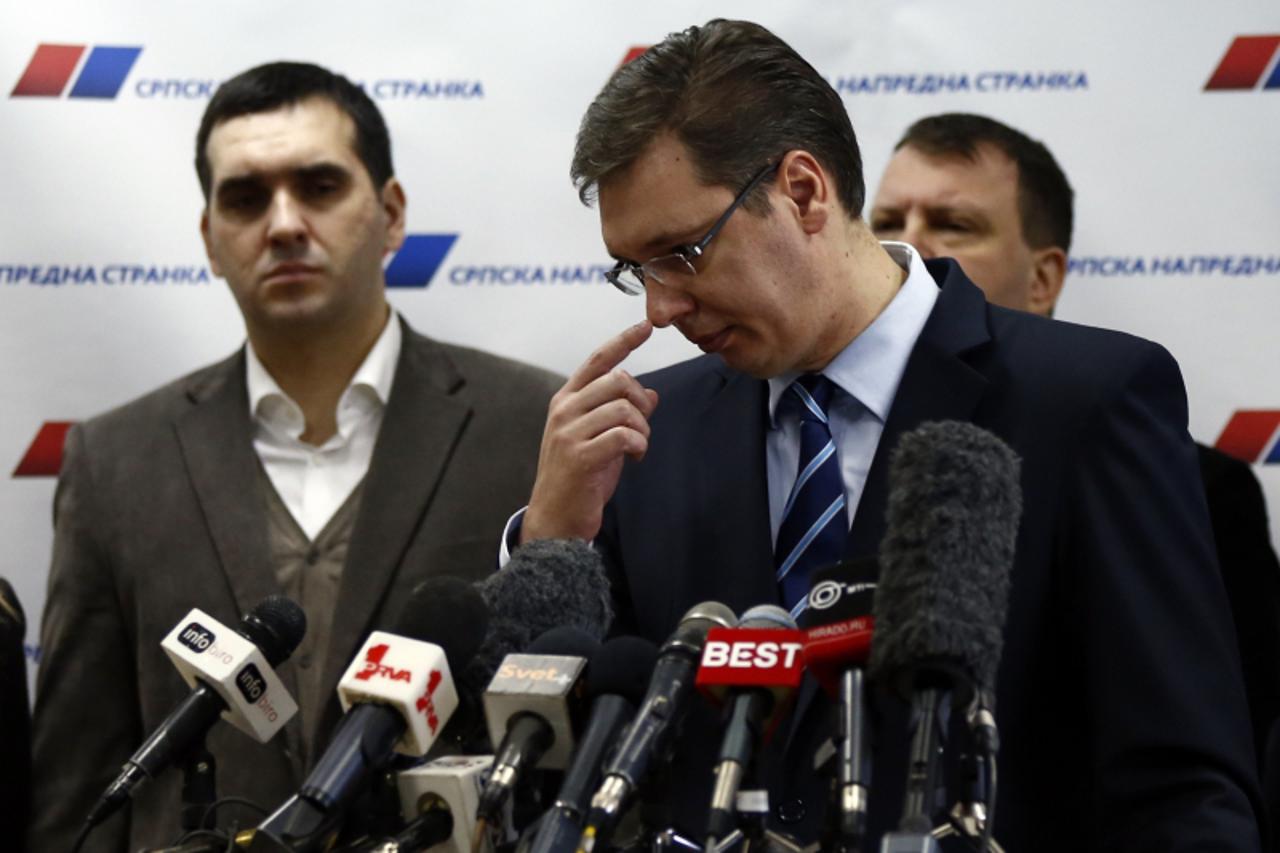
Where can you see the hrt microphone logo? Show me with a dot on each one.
(1250, 436)
(197, 637)
(1245, 63)
(425, 705)
(52, 65)
(373, 666)
(828, 593)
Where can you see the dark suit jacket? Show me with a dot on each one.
(15, 720)
(158, 511)
(1251, 574)
(1120, 704)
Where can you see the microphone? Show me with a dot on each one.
(655, 724)
(231, 675)
(759, 663)
(527, 707)
(940, 607)
(441, 796)
(547, 584)
(398, 693)
(837, 644)
(617, 676)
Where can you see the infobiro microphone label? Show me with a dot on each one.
(411, 676)
(203, 648)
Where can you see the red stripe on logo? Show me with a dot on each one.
(633, 53)
(48, 71)
(1248, 433)
(1244, 62)
(44, 456)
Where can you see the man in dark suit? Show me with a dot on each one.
(339, 457)
(1119, 696)
(15, 718)
(974, 189)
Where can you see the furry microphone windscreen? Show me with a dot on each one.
(952, 524)
(446, 611)
(547, 584)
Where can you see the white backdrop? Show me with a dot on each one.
(1178, 193)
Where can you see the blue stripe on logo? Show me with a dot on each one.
(418, 259)
(104, 72)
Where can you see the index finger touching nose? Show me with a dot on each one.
(610, 354)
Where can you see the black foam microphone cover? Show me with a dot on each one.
(446, 611)
(547, 583)
(276, 626)
(952, 525)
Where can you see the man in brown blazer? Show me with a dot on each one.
(339, 458)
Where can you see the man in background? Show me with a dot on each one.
(339, 458)
(971, 188)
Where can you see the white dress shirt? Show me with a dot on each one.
(868, 371)
(314, 481)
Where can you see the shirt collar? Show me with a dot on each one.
(269, 402)
(870, 367)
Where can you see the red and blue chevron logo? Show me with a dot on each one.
(1250, 435)
(44, 457)
(1245, 63)
(53, 65)
(418, 259)
(633, 52)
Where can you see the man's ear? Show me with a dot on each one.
(393, 205)
(1048, 272)
(208, 247)
(806, 186)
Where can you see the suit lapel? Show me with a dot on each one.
(216, 437)
(938, 384)
(424, 418)
(734, 549)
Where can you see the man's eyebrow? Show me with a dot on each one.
(323, 169)
(662, 243)
(956, 207)
(237, 182)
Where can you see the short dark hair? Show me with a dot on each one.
(1045, 198)
(736, 96)
(279, 84)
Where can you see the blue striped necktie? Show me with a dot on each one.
(814, 522)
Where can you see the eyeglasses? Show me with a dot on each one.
(630, 277)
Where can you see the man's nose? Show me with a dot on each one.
(664, 304)
(916, 232)
(286, 224)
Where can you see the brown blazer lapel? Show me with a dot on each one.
(216, 437)
(423, 421)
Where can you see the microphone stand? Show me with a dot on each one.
(199, 785)
(915, 832)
